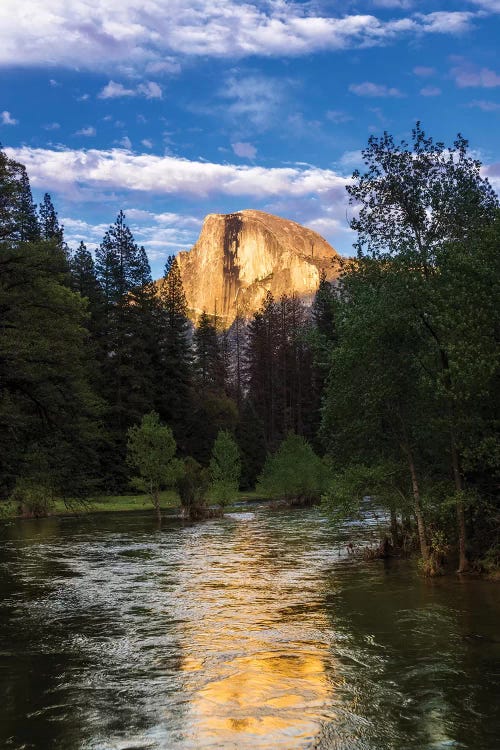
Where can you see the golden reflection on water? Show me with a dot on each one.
(256, 676)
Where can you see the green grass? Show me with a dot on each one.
(115, 503)
(169, 500)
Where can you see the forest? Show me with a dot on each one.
(387, 386)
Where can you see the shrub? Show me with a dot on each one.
(294, 473)
(193, 488)
(225, 469)
(32, 498)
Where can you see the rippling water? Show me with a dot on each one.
(253, 631)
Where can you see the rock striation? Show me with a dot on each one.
(239, 257)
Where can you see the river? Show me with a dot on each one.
(253, 631)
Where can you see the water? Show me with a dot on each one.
(253, 631)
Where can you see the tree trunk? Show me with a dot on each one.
(394, 528)
(463, 563)
(156, 504)
(418, 503)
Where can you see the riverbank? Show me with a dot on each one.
(169, 503)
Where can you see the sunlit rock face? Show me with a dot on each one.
(239, 257)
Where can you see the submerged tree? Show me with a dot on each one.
(151, 451)
(225, 468)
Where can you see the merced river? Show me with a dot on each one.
(255, 631)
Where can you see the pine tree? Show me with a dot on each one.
(208, 358)
(173, 354)
(252, 443)
(49, 421)
(48, 222)
(18, 220)
(128, 333)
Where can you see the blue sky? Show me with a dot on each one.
(172, 109)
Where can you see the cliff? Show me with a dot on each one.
(239, 257)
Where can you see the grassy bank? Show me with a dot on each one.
(116, 503)
(169, 501)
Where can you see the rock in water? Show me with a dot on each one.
(239, 257)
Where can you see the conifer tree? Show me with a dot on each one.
(208, 358)
(128, 332)
(173, 355)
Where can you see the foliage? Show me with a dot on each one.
(383, 481)
(193, 487)
(225, 468)
(32, 499)
(294, 473)
(151, 451)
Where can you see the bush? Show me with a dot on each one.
(294, 473)
(193, 488)
(225, 469)
(32, 499)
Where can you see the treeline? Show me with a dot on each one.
(391, 377)
(89, 344)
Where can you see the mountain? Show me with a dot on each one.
(239, 257)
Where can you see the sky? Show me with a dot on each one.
(171, 110)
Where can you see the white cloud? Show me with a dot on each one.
(485, 105)
(7, 119)
(147, 143)
(148, 36)
(113, 90)
(245, 150)
(72, 170)
(89, 131)
(467, 75)
(351, 159)
(161, 233)
(374, 89)
(125, 142)
(255, 100)
(150, 90)
(492, 6)
(430, 91)
(51, 126)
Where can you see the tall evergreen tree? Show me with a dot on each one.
(48, 414)
(208, 362)
(48, 221)
(129, 332)
(173, 354)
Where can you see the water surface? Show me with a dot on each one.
(253, 631)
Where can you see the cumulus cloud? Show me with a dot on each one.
(148, 89)
(245, 150)
(118, 169)
(90, 131)
(113, 90)
(160, 233)
(7, 119)
(374, 89)
(104, 35)
(467, 75)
